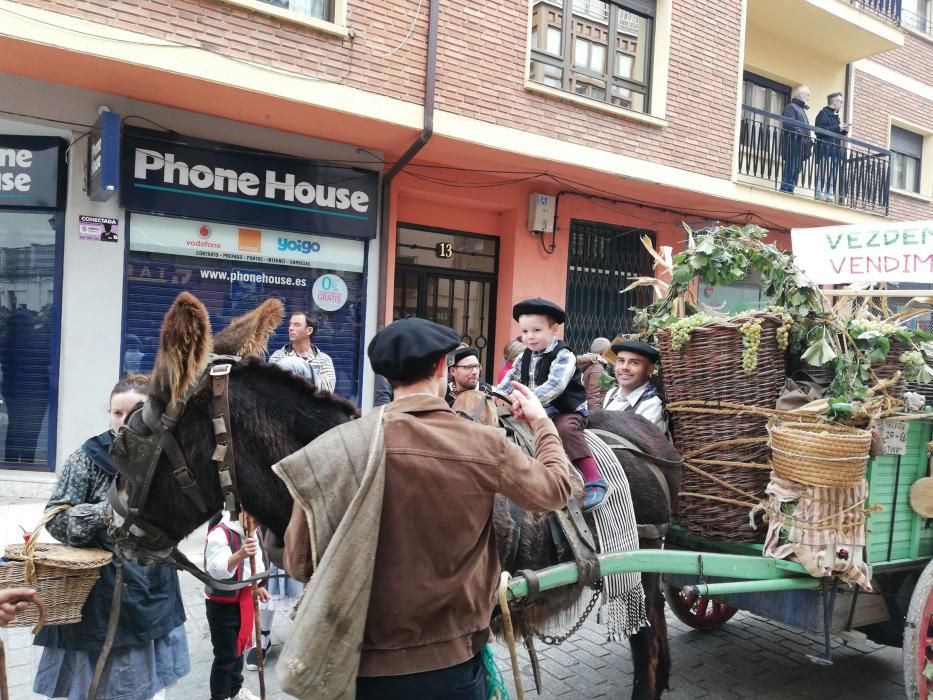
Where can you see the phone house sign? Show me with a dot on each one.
(29, 171)
(209, 180)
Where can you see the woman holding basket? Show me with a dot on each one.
(150, 649)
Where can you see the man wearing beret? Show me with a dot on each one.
(549, 367)
(635, 363)
(436, 567)
(464, 373)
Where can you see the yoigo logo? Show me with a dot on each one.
(306, 247)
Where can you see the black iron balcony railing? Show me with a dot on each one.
(795, 157)
(889, 10)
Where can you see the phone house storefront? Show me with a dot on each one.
(235, 226)
(32, 200)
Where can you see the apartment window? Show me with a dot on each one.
(916, 14)
(319, 9)
(906, 159)
(600, 50)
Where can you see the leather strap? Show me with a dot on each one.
(534, 585)
(617, 442)
(584, 556)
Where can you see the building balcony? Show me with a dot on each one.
(784, 154)
(841, 31)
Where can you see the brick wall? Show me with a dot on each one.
(481, 65)
(915, 58)
(876, 101)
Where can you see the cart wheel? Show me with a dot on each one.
(918, 639)
(697, 611)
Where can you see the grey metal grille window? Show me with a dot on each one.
(916, 14)
(906, 159)
(320, 9)
(601, 50)
(603, 261)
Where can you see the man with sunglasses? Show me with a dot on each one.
(464, 374)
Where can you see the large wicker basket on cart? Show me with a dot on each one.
(730, 450)
(62, 576)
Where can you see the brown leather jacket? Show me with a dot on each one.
(436, 568)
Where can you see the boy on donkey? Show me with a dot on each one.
(549, 368)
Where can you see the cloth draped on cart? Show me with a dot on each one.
(623, 610)
(823, 528)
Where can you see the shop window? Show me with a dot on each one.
(293, 267)
(605, 49)
(906, 159)
(29, 281)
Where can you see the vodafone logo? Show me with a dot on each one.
(203, 234)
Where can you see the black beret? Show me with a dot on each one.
(464, 353)
(639, 348)
(539, 306)
(406, 349)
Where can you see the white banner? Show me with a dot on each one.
(883, 252)
(243, 244)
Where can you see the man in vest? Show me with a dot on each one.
(635, 363)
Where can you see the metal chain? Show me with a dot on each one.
(560, 639)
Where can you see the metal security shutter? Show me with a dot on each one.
(154, 280)
(603, 261)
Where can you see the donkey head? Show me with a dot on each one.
(148, 493)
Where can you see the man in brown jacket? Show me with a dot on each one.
(436, 568)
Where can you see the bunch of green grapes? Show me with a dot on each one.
(681, 330)
(912, 361)
(861, 325)
(751, 338)
(782, 334)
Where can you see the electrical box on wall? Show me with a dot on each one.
(541, 213)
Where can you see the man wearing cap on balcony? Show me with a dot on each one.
(464, 374)
(635, 363)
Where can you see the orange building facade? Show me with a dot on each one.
(553, 136)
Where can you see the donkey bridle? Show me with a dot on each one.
(137, 457)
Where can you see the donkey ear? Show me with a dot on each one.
(184, 345)
(249, 334)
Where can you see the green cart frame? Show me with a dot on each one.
(706, 581)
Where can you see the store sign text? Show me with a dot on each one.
(274, 185)
(13, 181)
(29, 171)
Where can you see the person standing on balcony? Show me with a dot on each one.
(829, 149)
(796, 146)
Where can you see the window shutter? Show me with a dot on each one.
(906, 142)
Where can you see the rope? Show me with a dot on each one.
(720, 499)
(111, 631)
(737, 465)
(718, 408)
(719, 481)
(509, 633)
(735, 442)
(792, 521)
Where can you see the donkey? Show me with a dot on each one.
(274, 413)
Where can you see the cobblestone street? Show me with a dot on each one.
(748, 658)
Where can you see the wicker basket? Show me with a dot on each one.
(709, 368)
(62, 576)
(819, 455)
(891, 365)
